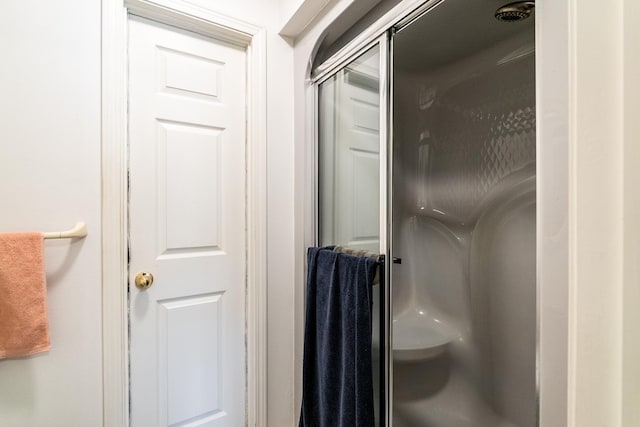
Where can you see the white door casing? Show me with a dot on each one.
(187, 136)
(114, 151)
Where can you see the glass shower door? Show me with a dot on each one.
(352, 105)
(464, 220)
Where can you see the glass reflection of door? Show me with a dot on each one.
(350, 155)
(352, 170)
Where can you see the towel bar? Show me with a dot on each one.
(79, 230)
(358, 252)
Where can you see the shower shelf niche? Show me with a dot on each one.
(419, 338)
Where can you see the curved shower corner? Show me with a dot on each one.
(464, 223)
(464, 321)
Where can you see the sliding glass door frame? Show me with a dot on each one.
(384, 87)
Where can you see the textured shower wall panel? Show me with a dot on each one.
(477, 133)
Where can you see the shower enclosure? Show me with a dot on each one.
(426, 152)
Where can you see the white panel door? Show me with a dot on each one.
(187, 227)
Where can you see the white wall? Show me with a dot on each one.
(288, 8)
(631, 154)
(296, 14)
(595, 214)
(49, 179)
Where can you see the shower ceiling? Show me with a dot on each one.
(476, 28)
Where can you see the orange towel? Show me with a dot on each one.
(23, 310)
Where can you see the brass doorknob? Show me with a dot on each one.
(144, 280)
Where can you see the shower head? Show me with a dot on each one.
(514, 12)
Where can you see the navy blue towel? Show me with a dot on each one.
(337, 389)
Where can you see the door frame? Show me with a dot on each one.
(114, 193)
